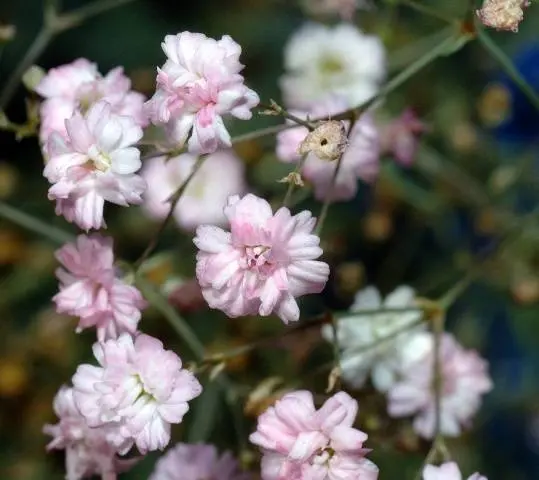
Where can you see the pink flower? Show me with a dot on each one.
(346, 9)
(91, 290)
(360, 159)
(299, 442)
(87, 450)
(197, 462)
(221, 175)
(465, 380)
(199, 83)
(97, 163)
(400, 137)
(263, 264)
(447, 471)
(138, 391)
(77, 86)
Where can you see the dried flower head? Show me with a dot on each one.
(502, 14)
(328, 141)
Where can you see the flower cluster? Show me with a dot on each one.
(263, 264)
(138, 390)
(96, 163)
(91, 289)
(76, 86)
(199, 84)
(88, 452)
(300, 442)
(196, 462)
(202, 202)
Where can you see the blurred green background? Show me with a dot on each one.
(423, 227)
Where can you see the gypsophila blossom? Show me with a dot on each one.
(343, 8)
(263, 264)
(138, 390)
(221, 175)
(197, 462)
(464, 380)
(502, 14)
(97, 163)
(91, 288)
(301, 443)
(340, 60)
(200, 83)
(361, 158)
(77, 86)
(447, 471)
(360, 336)
(400, 137)
(87, 451)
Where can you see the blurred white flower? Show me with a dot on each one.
(357, 332)
(342, 60)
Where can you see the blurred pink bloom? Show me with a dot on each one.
(221, 175)
(465, 380)
(400, 137)
(87, 450)
(361, 159)
(138, 390)
(301, 443)
(199, 83)
(344, 8)
(447, 471)
(197, 462)
(97, 163)
(263, 264)
(77, 86)
(91, 290)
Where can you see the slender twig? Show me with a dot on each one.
(429, 11)
(174, 199)
(53, 24)
(56, 235)
(276, 109)
(506, 63)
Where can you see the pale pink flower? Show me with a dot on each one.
(91, 289)
(321, 60)
(97, 163)
(345, 9)
(87, 450)
(138, 391)
(465, 379)
(77, 86)
(197, 462)
(361, 159)
(222, 174)
(263, 264)
(199, 84)
(400, 138)
(301, 443)
(447, 471)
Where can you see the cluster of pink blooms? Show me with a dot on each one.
(91, 288)
(300, 442)
(197, 462)
(359, 161)
(464, 379)
(447, 471)
(200, 83)
(263, 264)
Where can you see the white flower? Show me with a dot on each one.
(342, 60)
(357, 332)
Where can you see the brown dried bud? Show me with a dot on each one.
(328, 141)
(293, 177)
(502, 14)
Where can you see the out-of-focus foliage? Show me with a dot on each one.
(424, 227)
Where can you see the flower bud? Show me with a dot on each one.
(328, 141)
(502, 14)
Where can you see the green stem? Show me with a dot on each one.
(430, 11)
(292, 184)
(507, 65)
(33, 224)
